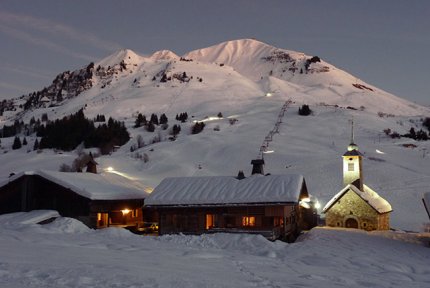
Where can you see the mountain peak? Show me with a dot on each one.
(164, 55)
(230, 50)
(126, 55)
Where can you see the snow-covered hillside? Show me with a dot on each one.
(303, 78)
(65, 253)
(235, 78)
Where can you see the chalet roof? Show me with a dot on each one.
(92, 161)
(217, 190)
(31, 217)
(104, 186)
(45, 99)
(368, 195)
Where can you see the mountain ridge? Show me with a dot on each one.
(304, 79)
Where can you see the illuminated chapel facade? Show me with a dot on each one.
(356, 205)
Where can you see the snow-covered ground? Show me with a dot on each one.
(65, 253)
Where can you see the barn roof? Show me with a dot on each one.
(368, 195)
(217, 190)
(104, 186)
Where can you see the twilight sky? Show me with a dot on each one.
(385, 43)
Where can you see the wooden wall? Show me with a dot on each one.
(280, 219)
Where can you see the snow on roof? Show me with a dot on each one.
(377, 202)
(104, 186)
(226, 190)
(32, 217)
(45, 99)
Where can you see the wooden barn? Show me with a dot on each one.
(356, 205)
(267, 205)
(98, 200)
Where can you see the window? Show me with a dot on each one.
(248, 221)
(135, 213)
(350, 166)
(209, 221)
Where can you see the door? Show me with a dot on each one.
(351, 223)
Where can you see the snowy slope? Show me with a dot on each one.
(311, 146)
(322, 82)
(65, 253)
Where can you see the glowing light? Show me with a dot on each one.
(307, 199)
(379, 151)
(208, 119)
(149, 189)
(111, 170)
(268, 151)
(125, 211)
(305, 204)
(317, 205)
(268, 94)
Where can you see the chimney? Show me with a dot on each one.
(240, 175)
(257, 166)
(92, 165)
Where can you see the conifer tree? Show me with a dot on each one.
(154, 119)
(36, 145)
(150, 127)
(163, 119)
(16, 143)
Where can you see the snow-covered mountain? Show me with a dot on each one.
(303, 78)
(248, 81)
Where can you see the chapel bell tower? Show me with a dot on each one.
(352, 164)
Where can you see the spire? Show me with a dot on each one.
(352, 146)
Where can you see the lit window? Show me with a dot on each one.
(248, 221)
(209, 221)
(350, 166)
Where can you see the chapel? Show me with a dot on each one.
(356, 205)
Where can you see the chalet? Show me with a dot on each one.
(356, 205)
(267, 205)
(98, 200)
(45, 101)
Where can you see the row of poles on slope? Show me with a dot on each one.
(275, 130)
